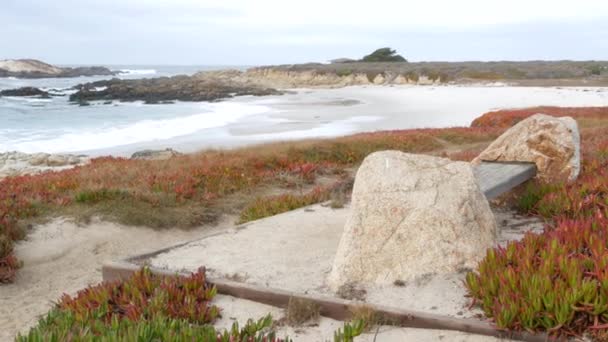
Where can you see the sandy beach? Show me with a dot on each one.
(122, 128)
(322, 113)
(63, 257)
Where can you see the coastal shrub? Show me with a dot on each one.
(555, 282)
(141, 297)
(582, 198)
(412, 76)
(55, 327)
(371, 76)
(95, 196)
(509, 117)
(350, 331)
(344, 72)
(595, 69)
(273, 205)
(385, 54)
(190, 190)
(435, 75)
(145, 307)
(148, 307)
(483, 75)
(300, 311)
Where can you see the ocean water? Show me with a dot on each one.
(55, 125)
(121, 128)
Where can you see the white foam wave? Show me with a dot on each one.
(327, 130)
(33, 101)
(128, 72)
(219, 114)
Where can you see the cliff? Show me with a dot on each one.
(315, 75)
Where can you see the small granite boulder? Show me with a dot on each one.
(57, 160)
(155, 154)
(412, 215)
(553, 144)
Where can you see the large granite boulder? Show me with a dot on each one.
(553, 144)
(412, 215)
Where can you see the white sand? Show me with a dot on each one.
(62, 257)
(235, 309)
(294, 251)
(334, 112)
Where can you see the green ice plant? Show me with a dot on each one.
(555, 282)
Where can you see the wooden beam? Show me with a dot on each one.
(336, 308)
(496, 178)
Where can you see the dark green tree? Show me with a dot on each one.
(384, 55)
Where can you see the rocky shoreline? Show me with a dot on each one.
(31, 68)
(166, 89)
(25, 91)
(265, 80)
(19, 163)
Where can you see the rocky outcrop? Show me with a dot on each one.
(25, 91)
(282, 78)
(157, 90)
(31, 68)
(156, 154)
(18, 163)
(412, 215)
(553, 144)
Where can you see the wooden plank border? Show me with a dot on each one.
(496, 178)
(336, 308)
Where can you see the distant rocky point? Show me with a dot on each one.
(18, 163)
(166, 89)
(31, 68)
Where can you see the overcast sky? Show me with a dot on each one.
(241, 32)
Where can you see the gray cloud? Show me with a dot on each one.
(191, 32)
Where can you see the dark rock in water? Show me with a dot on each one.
(25, 91)
(155, 154)
(163, 89)
(82, 103)
(87, 71)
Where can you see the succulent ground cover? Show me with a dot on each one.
(552, 282)
(147, 307)
(556, 281)
(191, 190)
(144, 308)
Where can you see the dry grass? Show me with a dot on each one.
(351, 292)
(485, 71)
(370, 316)
(300, 311)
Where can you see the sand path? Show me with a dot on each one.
(62, 257)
